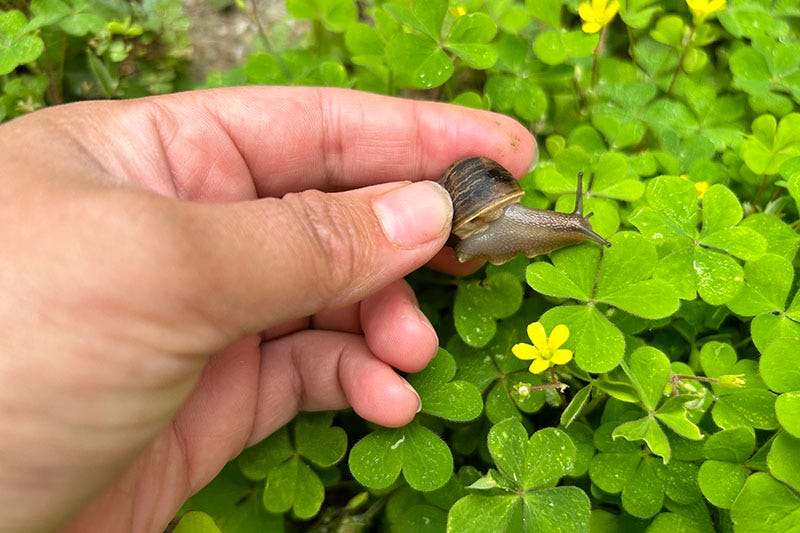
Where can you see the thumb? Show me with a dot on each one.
(279, 259)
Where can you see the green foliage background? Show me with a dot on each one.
(682, 411)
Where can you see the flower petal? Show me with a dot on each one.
(538, 366)
(591, 27)
(537, 335)
(558, 337)
(610, 11)
(586, 12)
(561, 357)
(525, 351)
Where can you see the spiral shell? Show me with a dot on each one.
(480, 188)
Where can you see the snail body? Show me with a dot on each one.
(489, 222)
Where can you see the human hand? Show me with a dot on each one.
(175, 289)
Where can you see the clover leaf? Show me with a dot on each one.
(232, 504)
(649, 372)
(77, 17)
(522, 97)
(648, 430)
(698, 261)
(424, 459)
(522, 493)
(546, 11)
(721, 482)
(748, 19)
(335, 15)
(363, 40)
(479, 303)
(765, 71)
(589, 329)
(639, 13)
(290, 482)
(621, 467)
(772, 143)
(555, 47)
(469, 37)
(787, 409)
(575, 406)
(621, 277)
(784, 460)
(17, 45)
(612, 179)
(722, 476)
(730, 445)
(197, 522)
(767, 282)
(611, 176)
(503, 379)
(751, 406)
(765, 504)
(426, 17)
(419, 59)
(779, 365)
(459, 401)
(620, 116)
(718, 116)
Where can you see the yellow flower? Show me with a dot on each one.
(545, 352)
(703, 8)
(596, 14)
(701, 187)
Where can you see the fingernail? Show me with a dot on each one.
(427, 323)
(408, 386)
(414, 214)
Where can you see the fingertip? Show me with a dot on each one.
(383, 397)
(523, 153)
(493, 135)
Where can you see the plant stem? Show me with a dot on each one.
(596, 55)
(681, 59)
(760, 192)
(255, 16)
(704, 379)
(631, 37)
(554, 385)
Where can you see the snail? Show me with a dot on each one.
(489, 222)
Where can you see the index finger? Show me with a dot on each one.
(287, 139)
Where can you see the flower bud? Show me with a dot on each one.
(731, 381)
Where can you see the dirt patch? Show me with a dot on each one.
(222, 39)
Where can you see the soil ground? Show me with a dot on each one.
(221, 38)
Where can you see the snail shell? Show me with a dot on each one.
(489, 223)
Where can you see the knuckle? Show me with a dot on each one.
(336, 240)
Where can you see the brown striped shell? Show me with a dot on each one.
(480, 188)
